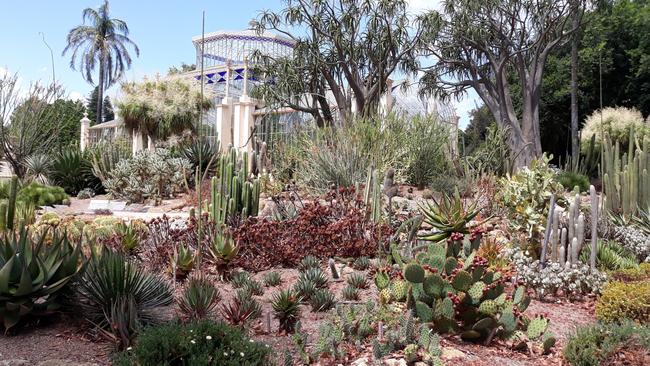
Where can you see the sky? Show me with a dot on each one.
(162, 29)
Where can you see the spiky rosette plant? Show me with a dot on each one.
(450, 286)
(448, 215)
(286, 306)
(199, 299)
(32, 274)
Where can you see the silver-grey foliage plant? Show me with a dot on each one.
(148, 175)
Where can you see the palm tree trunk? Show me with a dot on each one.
(100, 91)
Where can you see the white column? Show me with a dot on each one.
(85, 133)
(224, 112)
(244, 123)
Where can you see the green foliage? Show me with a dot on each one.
(234, 196)
(621, 300)
(350, 293)
(350, 323)
(248, 302)
(199, 299)
(40, 195)
(237, 312)
(64, 116)
(38, 169)
(104, 157)
(110, 280)
(202, 343)
(315, 276)
(322, 300)
(272, 279)
(72, 170)
(593, 344)
(161, 107)
(610, 256)
(626, 180)
(308, 262)
(569, 180)
(640, 273)
(209, 151)
(492, 156)
(240, 279)
(448, 215)
(33, 273)
(361, 263)
(427, 150)
(357, 280)
(148, 175)
(286, 307)
(526, 197)
(183, 261)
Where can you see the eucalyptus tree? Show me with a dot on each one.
(103, 43)
(344, 49)
(496, 47)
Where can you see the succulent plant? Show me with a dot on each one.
(240, 279)
(272, 279)
(224, 249)
(308, 262)
(236, 313)
(350, 293)
(382, 279)
(305, 289)
(183, 260)
(286, 307)
(322, 300)
(32, 274)
(199, 299)
(361, 264)
(357, 280)
(254, 287)
(332, 264)
(248, 302)
(446, 216)
(316, 276)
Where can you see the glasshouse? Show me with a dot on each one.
(345, 182)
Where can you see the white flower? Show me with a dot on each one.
(208, 337)
(192, 341)
(251, 340)
(241, 354)
(129, 348)
(225, 354)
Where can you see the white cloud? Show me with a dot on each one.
(418, 6)
(75, 96)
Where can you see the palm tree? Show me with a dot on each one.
(102, 43)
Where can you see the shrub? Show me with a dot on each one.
(338, 229)
(621, 300)
(610, 256)
(634, 240)
(526, 196)
(40, 195)
(32, 274)
(72, 170)
(596, 344)
(203, 343)
(616, 122)
(569, 180)
(426, 151)
(149, 175)
(640, 273)
(577, 279)
(109, 281)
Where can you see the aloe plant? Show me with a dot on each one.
(448, 215)
(224, 250)
(33, 273)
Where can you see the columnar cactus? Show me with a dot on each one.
(233, 194)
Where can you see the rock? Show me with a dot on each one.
(15, 362)
(395, 362)
(450, 353)
(363, 361)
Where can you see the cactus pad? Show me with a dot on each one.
(399, 290)
(488, 307)
(462, 281)
(414, 273)
(385, 296)
(508, 321)
(536, 327)
(469, 335)
(433, 285)
(485, 323)
(475, 292)
(450, 265)
(423, 311)
(382, 280)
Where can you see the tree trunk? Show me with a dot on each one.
(100, 91)
(575, 143)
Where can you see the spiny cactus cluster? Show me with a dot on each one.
(450, 286)
(233, 195)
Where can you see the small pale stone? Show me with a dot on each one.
(449, 353)
(395, 362)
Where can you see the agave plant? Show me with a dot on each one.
(33, 273)
(199, 299)
(38, 168)
(286, 306)
(129, 234)
(236, 313)
(448, 215)
(224, 250)
(183, 260)
(109, 278)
